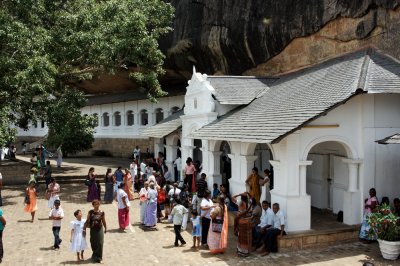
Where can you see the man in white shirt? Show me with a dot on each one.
(205, 206)
(143, 170)
(275, 232)
(266, 221)
(136, 153)
(178, 212)
(173, 193)
(178, 164)
(56, 214)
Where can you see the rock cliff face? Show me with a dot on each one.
(266, 37)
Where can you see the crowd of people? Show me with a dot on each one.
(257, 224)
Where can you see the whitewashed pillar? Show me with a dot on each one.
(351, 203)
(353, 174)
(171, 151)
(303, 177)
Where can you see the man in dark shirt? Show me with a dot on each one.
(201, 190)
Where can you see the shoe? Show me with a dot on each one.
(183, 243)
(176, 245)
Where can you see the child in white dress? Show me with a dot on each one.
(78, 240)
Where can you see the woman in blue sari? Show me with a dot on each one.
(151, 208)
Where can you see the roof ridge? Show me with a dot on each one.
(364, 70)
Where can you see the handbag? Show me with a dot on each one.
(88, 182)
(217, 225)
(27, 200)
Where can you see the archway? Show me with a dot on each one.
(328, 176)
(225, 163)
(197, 153)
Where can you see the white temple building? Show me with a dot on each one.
(316, 128)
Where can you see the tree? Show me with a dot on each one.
(68, 126)
(48, 46)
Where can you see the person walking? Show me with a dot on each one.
(123, 207)
(53, 192)
(56, 215)
(30, 200)
(178, 212)
(78, 238)
(96, 221)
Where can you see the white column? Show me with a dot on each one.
(214, 170)
(351, 202)
(303, 177)
(241, 169)
(353, 174)
(171, 151)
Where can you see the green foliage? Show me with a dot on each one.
(384, 223)
(48, 46)
(67, 126)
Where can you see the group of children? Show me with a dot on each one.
(77, 237)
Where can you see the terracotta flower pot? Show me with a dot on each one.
(390, 249)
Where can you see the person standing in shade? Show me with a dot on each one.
(109, 184)
(59, 156)
(206, 206)
(56, 214)
(253, 181)
(2, 225)
(189, 170)
(96, 221)
(202, 186)
(53, 191)
(265, 187)
(93, 192)
(178, 166)
(136, 154)
(47, 174)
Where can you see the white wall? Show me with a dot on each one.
(122, 131)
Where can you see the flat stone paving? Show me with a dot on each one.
(28, 243)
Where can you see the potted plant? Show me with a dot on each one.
(386, 226)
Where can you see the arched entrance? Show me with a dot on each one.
(197, 153)
(328, 176)
(264, 155)
(225, 163)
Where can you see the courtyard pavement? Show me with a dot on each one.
(28, 243)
